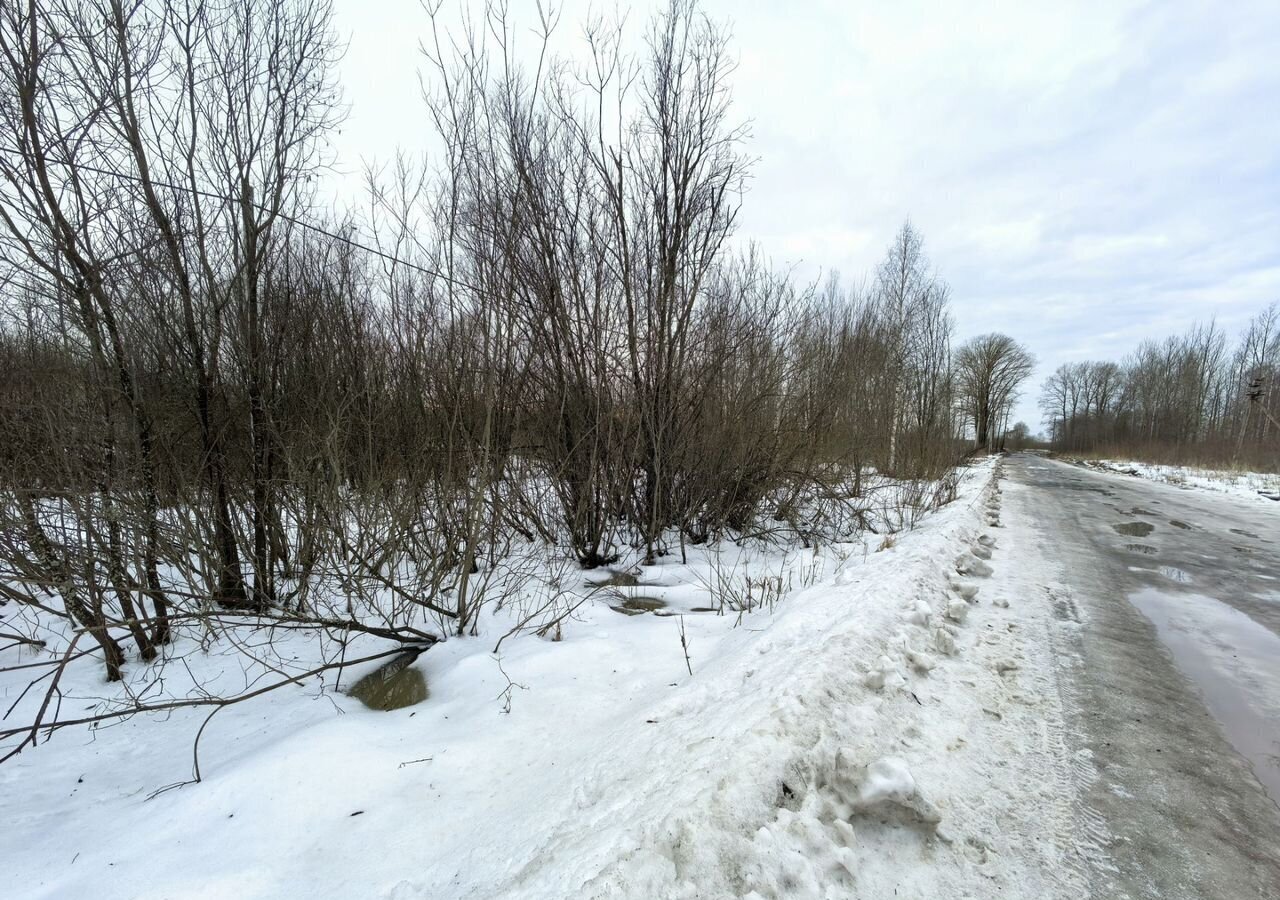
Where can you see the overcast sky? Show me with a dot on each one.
(1085, 175)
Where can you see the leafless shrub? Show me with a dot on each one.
(224, 416)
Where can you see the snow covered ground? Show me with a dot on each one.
(1255, 485)
(880, 727)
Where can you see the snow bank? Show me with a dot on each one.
(595, 766)
(1255, 485)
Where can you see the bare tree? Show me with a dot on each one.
(989, 370)
(913, 304)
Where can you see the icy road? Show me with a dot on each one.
(1168, 650)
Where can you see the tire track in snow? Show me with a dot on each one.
(1082, 829)
(1049, 771)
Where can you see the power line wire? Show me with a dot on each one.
(228, 199)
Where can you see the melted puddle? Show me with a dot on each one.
(1233, 662)
(637, 606)
(1175, 574)
(1134, 529)
(392, 686)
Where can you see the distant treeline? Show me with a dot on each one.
(1190, 398)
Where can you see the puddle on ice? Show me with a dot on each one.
(1140, 548)
(1233, 661)
(392, 686)
(1134, 529)
(1176, 524)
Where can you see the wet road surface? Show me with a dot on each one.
(1175, 643)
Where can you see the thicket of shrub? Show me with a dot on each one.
(214, 399)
